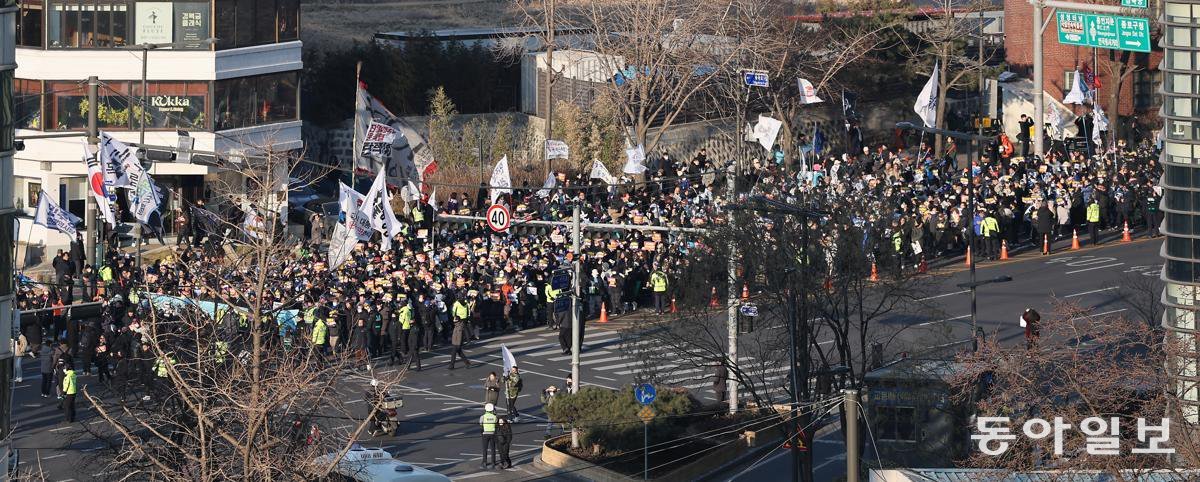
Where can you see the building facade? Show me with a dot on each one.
(1181, 192)
(224, 72)
(8, 15)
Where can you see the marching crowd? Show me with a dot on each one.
(450, 283)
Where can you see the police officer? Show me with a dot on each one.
(488, 423)
(1093, 220)
(658, 282)
(69, 388)
(461, 313)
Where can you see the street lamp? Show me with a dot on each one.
(976, 142)
(146, 48)
(972, 286)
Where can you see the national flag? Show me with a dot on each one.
(52, 216)
(97, 185)
(926, 105)
(500, 183)
(114, 155)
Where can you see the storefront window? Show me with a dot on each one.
(64, 102)
(242, 23)
(172, 105)
(88, 23)
(175, 105)
(28, 103)
(252, 101)
(29, 25)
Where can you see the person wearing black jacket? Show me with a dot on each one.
(504, 437)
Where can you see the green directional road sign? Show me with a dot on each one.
(1134, 3)
(1104, 31)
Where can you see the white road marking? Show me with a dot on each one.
(582, 355)
(1095, 267)
(455, 434)
(601, 360)
(536, 364)
(1092, 291)
(606, 378)
(444, 458)
(1110, 312)
(943, 295)
(54, 456)
(453, 384)
(418, 414)
(945, 320)
(472, 476)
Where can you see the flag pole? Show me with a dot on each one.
(357, 135)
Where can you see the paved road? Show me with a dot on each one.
(442, 406)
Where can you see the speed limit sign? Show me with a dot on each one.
(498, 218)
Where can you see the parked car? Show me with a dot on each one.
(361, 464)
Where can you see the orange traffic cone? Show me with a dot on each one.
(745, 292)
(923, 267)
(828, 284)
(1125, 237)
(874, 272)
(712, 302)
(1074, 240)
(1045, 244)
(1003, 249)
(603, 312)
(968, 258)
(673, 309)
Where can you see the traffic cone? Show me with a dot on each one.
(1074, 240)
(745, 292)
(603, 312)
(828, 284)
(874, 272)
(923, 267)
(1003, 249)
(968, 258)
(1045, 244)
(712, 302)
(1125, 237)
(673, 309)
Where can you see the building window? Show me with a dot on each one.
(88, 23)
(242, 23)
(28, 102)
(32, 192)
(1145, 90)
(1182, 12)
(172, 105)
(258, 100)
(7, 110)
(29, 27)
(896, 423)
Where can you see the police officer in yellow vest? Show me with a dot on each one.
(70, 386)
(990, 228)
(488, 422)
(555, 319)
(461, 313)
(658, 282)
(1093, 219)
(320, 333)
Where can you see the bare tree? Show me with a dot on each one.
(233, 389)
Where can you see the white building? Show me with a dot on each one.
(234, 95)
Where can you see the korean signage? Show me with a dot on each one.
(1104, 31)
(1134, 3)
(191, 25)
(154, 23)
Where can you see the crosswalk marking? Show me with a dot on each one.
(602, 360)
(582, 355)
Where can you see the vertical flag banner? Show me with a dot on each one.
(501, 183)
(510, 361)
(634, 159)
(766, 130)
(378, 208)
(600, 172)
(97, 186)
(52, 216)
(1079, 90)
(926, 105)
(547, 185)
(808, 95)
(384, 142)
(114, 155)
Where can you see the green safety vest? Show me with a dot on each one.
(659, 281)
(551, 294)
(488, 420)
(406, 317)
(897, 240)
(69, 385)
(417, 214)
(222, 350)
(318, 334)
(160, 368)
(461, 312)
(106, 273)
(990, 226)
(133, 298)
(1093, 213)
(310, 315)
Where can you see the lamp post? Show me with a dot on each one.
(973, 285)
(145, 101)
(976, 144)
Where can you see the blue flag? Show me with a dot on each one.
(818, 142)
(52, 216)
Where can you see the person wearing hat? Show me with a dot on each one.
(488, 423)
(504, 437)
(69, 388)
(512, 390)
(1031, 321)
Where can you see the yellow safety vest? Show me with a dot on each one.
(160, 368)
(461, 312)
(318, 334)
(406, 317)
(222, 350)
(1093, 213)
(659, 281)
(551, 294)
(418, 216)
(488, 420)
(990, 226)
(69, 385)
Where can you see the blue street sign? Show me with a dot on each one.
(645, 394)
(562, 304)
(748, 310)
(756, 78)
(561, 279)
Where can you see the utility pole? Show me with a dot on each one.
(732, 308)
(850, 398)
(982, 88)
(550, 83)
(576, 322)
(95, 241)
(1039, 101)
(355, 146)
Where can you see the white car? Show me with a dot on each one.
(361, 464)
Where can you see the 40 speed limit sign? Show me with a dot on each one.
(498, 218)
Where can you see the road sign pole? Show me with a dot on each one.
(1039, 101)
(576, 322)
(645, 450)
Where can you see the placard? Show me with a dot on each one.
(191, 25)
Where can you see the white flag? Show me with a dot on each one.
(52, 216)
(384, 142)
(766, 130)
(634, 159)
(926, 105)
(433, 200)
(600, 172)
(544, 192)
(96, 184)
(1099, 123)
(808, 95)
(1078, 93)
(253, 224)
(341, 243)
(501, 183)
(350, 213)
(114, 155)
(378, 208)
(557, 150)
(510, 361)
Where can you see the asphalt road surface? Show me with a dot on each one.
(442, 407)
